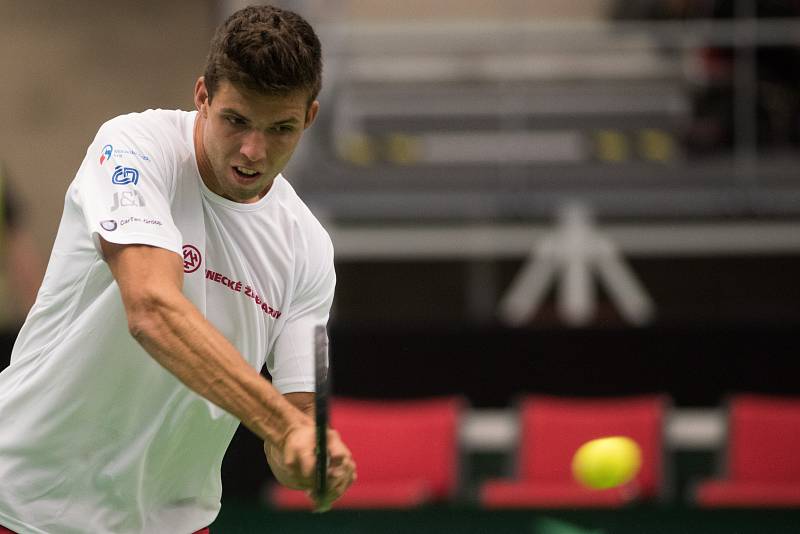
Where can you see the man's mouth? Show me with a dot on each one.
(245, 172)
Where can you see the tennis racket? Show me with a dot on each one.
(321, 410)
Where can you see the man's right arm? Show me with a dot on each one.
(174, 332)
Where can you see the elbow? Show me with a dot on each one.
(138, 327)
(145, 312)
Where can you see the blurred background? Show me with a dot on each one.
(586, 199)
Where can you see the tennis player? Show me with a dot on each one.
(184, 263)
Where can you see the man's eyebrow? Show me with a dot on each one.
(231, 111)
(287, 120)
(290, 120)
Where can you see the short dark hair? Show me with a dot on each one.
(265, 49)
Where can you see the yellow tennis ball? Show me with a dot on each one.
(606, 462)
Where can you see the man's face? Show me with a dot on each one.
(248, 138)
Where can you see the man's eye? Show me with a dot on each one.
(236, 121)
(283, 128)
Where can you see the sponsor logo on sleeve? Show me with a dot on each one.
(108, 225)
(123, 152)
(105, 154)
(138, 220)
(127, 199)
(191, 259)
(125, 175)
(108, 151)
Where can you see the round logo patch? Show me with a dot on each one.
(191, 259)
(108, 225)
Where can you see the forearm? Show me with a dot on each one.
(179, 338)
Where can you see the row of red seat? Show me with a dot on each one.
(407, 453)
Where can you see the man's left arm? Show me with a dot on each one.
(291, 363)
(302, 401)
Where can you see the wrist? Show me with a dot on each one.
(286, 422)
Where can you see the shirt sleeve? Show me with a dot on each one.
(291, 363)
(124, 187)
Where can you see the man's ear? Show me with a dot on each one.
(201, 97)
(311, 114)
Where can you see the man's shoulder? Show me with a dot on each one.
(152, 135)
(149, 123)
(307, 222)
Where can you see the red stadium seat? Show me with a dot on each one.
(552, 429)
(406, 453)
(762, 461)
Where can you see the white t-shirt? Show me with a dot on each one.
(95, 436)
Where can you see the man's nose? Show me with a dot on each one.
(254, 146)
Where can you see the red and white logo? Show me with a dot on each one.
(191, 259)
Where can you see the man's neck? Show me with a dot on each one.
(203, 165)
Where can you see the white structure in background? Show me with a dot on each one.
(569, 256)
(497, 430)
